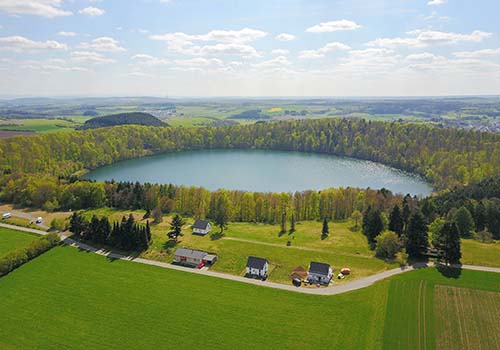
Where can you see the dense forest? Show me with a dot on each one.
(134, 118)
(446, 157)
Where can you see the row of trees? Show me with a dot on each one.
(447, 157)
(125, 234)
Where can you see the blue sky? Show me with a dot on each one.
(249, 48)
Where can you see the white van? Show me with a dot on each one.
(6, 216)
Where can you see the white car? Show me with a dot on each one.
(38, 220)
(6, 216)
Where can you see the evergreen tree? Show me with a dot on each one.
(451, 243)
(396, 221)
(373, 224)
(176, 227)
(325, 230)
(480, 216)
(406, 213)
(77, 224)
(283, 223)
(221, 214)
(417, 240)
(292, 224)
(464, 221)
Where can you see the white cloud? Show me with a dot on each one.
(149, 60)
(20, 43)
(90, 57)
(485, 53)
(92, 11)
(320, 53)
(104, 44)
(198, 62)
(69, 34)
(285, 37)
(44, 8)
(280, 52)
(277, 61)
(435, 2)
(425, 56)
(424, 38)
(333, 26)
(227, 42)
(138, 75)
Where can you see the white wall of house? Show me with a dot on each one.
(179, 258)
(316, 277)
(203, 231)
(257, 272)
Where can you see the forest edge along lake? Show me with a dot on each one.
(262, 171)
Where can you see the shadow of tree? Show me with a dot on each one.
(216, 236)
(453, 271)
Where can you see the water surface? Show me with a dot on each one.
(262, 171)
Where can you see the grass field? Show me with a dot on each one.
(72, 299)
(39, 125)
(11, 240)
(342, 248)
(477, 253)
(466, 318)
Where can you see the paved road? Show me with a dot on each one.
(23, 215)
(331, 290)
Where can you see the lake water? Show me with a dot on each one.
(262, 171)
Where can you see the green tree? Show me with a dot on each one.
(388, 245)
(396, 223)
(292, 223)
(325, 230)
(464, 221)
(480, 216)
(451, 243)
(176, 227)
(373, 224)
(222, 212)
(417, 239)
(283, 223)
(77, 224)
(435, 231)
(356, 217)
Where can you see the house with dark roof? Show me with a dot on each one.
(257, 267)
(202, 227)
(319, 273)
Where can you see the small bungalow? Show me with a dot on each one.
(257, 267)
(319, 273)
(202, 227)
(193, 258)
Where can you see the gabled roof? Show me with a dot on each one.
(189, 253)
(201, 224)
(320, 268)
(256, 263)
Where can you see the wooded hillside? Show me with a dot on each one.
(135, 118)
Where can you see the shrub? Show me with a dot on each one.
(387, 245)
(16, 258)
(483, 236)
(58, 224)
(402, 257)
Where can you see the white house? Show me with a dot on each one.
(319, 273)
(202, 227)
(257, 267)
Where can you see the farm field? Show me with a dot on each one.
(11, 240)
(38, 125)
(477, 253)
(129, 305)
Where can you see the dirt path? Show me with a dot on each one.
(331, 290)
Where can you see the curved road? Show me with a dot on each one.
(330, 290)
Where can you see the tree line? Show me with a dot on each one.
(125, 234)
(446, 157)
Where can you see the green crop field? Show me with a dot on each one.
(477, 253)
(38, 125)
(10, 240)
(72, 299)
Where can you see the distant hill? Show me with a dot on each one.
(135, 118)
(251, 114)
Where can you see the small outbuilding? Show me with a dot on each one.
(189, 257)
(202, 227)
(319, 273)
(257, 267)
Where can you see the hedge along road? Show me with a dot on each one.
(331, 290)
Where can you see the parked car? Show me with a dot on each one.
(38, 220)
(6, 216)
(296, 282)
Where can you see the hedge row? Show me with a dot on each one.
(16, 258)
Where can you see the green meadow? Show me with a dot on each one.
(67, 298)
(11, 240)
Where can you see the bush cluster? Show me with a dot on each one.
(18, 257)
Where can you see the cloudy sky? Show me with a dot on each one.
(249, 48)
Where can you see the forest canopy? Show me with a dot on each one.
(446, 157)
(134, 118)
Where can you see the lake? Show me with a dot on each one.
(262, 171)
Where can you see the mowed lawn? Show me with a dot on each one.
(477, 253)
(342, 248)
(67, 299)
(422, 312)
(11, 240)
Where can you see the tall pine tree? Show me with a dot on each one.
(451, 243)
(417, 240)
(396, 223)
